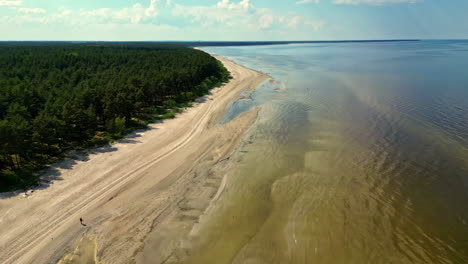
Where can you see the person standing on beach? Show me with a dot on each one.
(81, 221)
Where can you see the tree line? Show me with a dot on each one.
(56, 97)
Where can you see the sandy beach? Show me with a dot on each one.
(142, 193)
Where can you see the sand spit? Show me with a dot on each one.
(143, 193)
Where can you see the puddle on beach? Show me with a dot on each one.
(83, 253)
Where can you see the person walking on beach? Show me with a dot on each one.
(81, 221)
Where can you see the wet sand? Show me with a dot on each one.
(143, 193)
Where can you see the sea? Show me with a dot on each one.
(359, 155)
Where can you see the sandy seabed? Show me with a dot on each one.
(139, 198)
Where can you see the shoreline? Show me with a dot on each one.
(135, 186)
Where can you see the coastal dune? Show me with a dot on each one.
(143, 193)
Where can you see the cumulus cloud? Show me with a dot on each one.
(32, 10)
(11, 2)
(223, 19)
(225, 12)
(65, 12)
(307, 1)
(266, 21)
(315, 25)
(151, 10)
(135, 14)
(294, 22)
(244, 4)
(241, 14)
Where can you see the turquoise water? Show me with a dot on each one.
(359, 155)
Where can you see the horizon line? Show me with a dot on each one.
(169, 40)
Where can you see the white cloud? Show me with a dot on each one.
(151, 10)
(135, 14)
(241, 15)
(266, 21)
(244, 4)
(65, 12)
(294, 22)
(32, 10)
(225, 19)
(373, 2)
(307, 1)
(316, 25)
(11, 2)
(225, 12)
(131, 15)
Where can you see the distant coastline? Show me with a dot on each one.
(215, 43)
(266, 43)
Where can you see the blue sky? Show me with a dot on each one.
(123, 20)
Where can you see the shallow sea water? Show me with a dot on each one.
(359, 155)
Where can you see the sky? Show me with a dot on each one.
(232, 20)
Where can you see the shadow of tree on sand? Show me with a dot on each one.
(53, 172)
